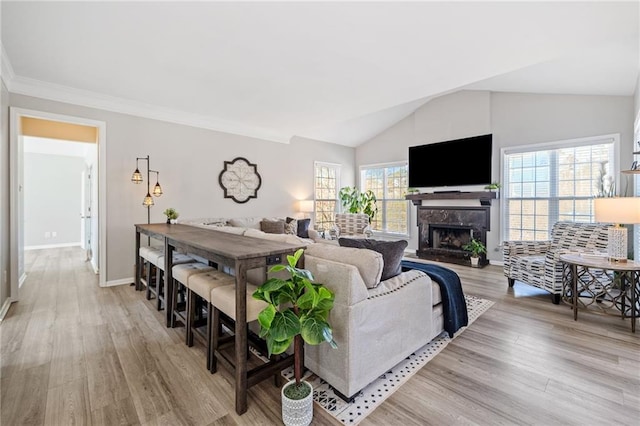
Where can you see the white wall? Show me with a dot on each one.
(513, 119)
(190, 160)
(4, 195)
(52, 199)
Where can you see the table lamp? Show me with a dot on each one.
(305, 206)
(618, 211)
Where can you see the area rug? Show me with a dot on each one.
(375, 394)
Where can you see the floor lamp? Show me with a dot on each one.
(617, 210)
(157, 189)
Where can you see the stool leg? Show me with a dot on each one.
(147, 277)
(159, 288)
(216, 329)
(191, 308)
(173, 302)
(209, 330)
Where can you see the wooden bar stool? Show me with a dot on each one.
(147, 265)
(199, 287)
(181, 274)
(223, 300)
(178, 259)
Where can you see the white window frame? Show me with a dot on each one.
(338, 169)
(568, 143)
(381, 207)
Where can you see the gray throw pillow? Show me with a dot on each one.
(392, 253)
(272, 226)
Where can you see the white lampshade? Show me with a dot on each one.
(617, 210)
(305, 206)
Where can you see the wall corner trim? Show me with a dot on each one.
(122, 281)
(5, 308)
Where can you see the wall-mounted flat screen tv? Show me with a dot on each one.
(458, 162)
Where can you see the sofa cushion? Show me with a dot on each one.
(303, 227)
(229, 229)
(272, 226)
(245, 222)
(392, 253)
(368, 262)
(291, 226)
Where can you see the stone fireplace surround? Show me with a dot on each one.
(442, 231)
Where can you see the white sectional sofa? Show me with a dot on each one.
(375, 324)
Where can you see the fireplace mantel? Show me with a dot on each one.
(485, 197)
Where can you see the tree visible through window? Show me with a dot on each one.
(389, 183)
(327, 184)
(555, 182)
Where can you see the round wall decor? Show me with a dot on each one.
(240, 180)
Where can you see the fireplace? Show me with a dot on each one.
(443, 231)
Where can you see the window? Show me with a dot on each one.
(327, 184)
(551, 182)
(389, 183)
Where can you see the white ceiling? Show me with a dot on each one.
(335, 71)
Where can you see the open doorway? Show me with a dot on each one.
(58, 181)
(49, 139)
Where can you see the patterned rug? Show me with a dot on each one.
(375, 394)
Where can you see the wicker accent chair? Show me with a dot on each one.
(537, 263)
(351, 225)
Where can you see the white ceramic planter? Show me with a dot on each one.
(474, 261)
(297, 412)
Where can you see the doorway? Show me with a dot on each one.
(90, 213)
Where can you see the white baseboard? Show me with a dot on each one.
(5, 308)
(118, 282)
(49, 246)
(22, 279)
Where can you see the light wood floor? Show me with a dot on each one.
(74, 353)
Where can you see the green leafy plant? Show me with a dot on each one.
(171, 213)
(354, 201)
(493, 185)
(297, 312)
(475, 247)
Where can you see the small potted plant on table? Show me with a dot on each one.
(297, 312)
(172, 215)
(475, 248)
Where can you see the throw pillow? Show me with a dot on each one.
(391, 251)
(272, 226)
(303, 228)
(291, 226)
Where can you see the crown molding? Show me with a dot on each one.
(6, 70)
(41, 89)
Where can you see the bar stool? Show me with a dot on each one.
(200, 286)
(149, 257)
(181, 274)
(223, 300)
(178, 259)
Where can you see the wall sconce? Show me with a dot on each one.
(617, 210)
(157, 189)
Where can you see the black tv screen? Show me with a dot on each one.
(457, 162)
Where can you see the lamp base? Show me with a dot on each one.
(617, 246)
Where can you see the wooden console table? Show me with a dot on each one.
(238, 252)
(596, 283)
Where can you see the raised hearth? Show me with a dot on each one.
(443, 231)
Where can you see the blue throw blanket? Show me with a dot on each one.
(453, 302)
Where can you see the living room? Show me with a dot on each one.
(189, 148)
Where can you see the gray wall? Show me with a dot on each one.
(52, 199)
(4, 195)
(189, 160)
(513, 119)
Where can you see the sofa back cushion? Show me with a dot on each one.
(272, 226)
(579, 236)
(368, 262)
(245, 222)
(391, 251)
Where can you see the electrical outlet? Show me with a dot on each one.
(47, 234)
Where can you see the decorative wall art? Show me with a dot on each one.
(240, 180)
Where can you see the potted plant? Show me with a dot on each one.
(354, 201)
(297, 312)
(475, 248)
(172, 215)
(493, 185)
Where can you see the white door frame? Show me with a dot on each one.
(15, 131)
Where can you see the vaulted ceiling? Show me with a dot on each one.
(334, 71)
